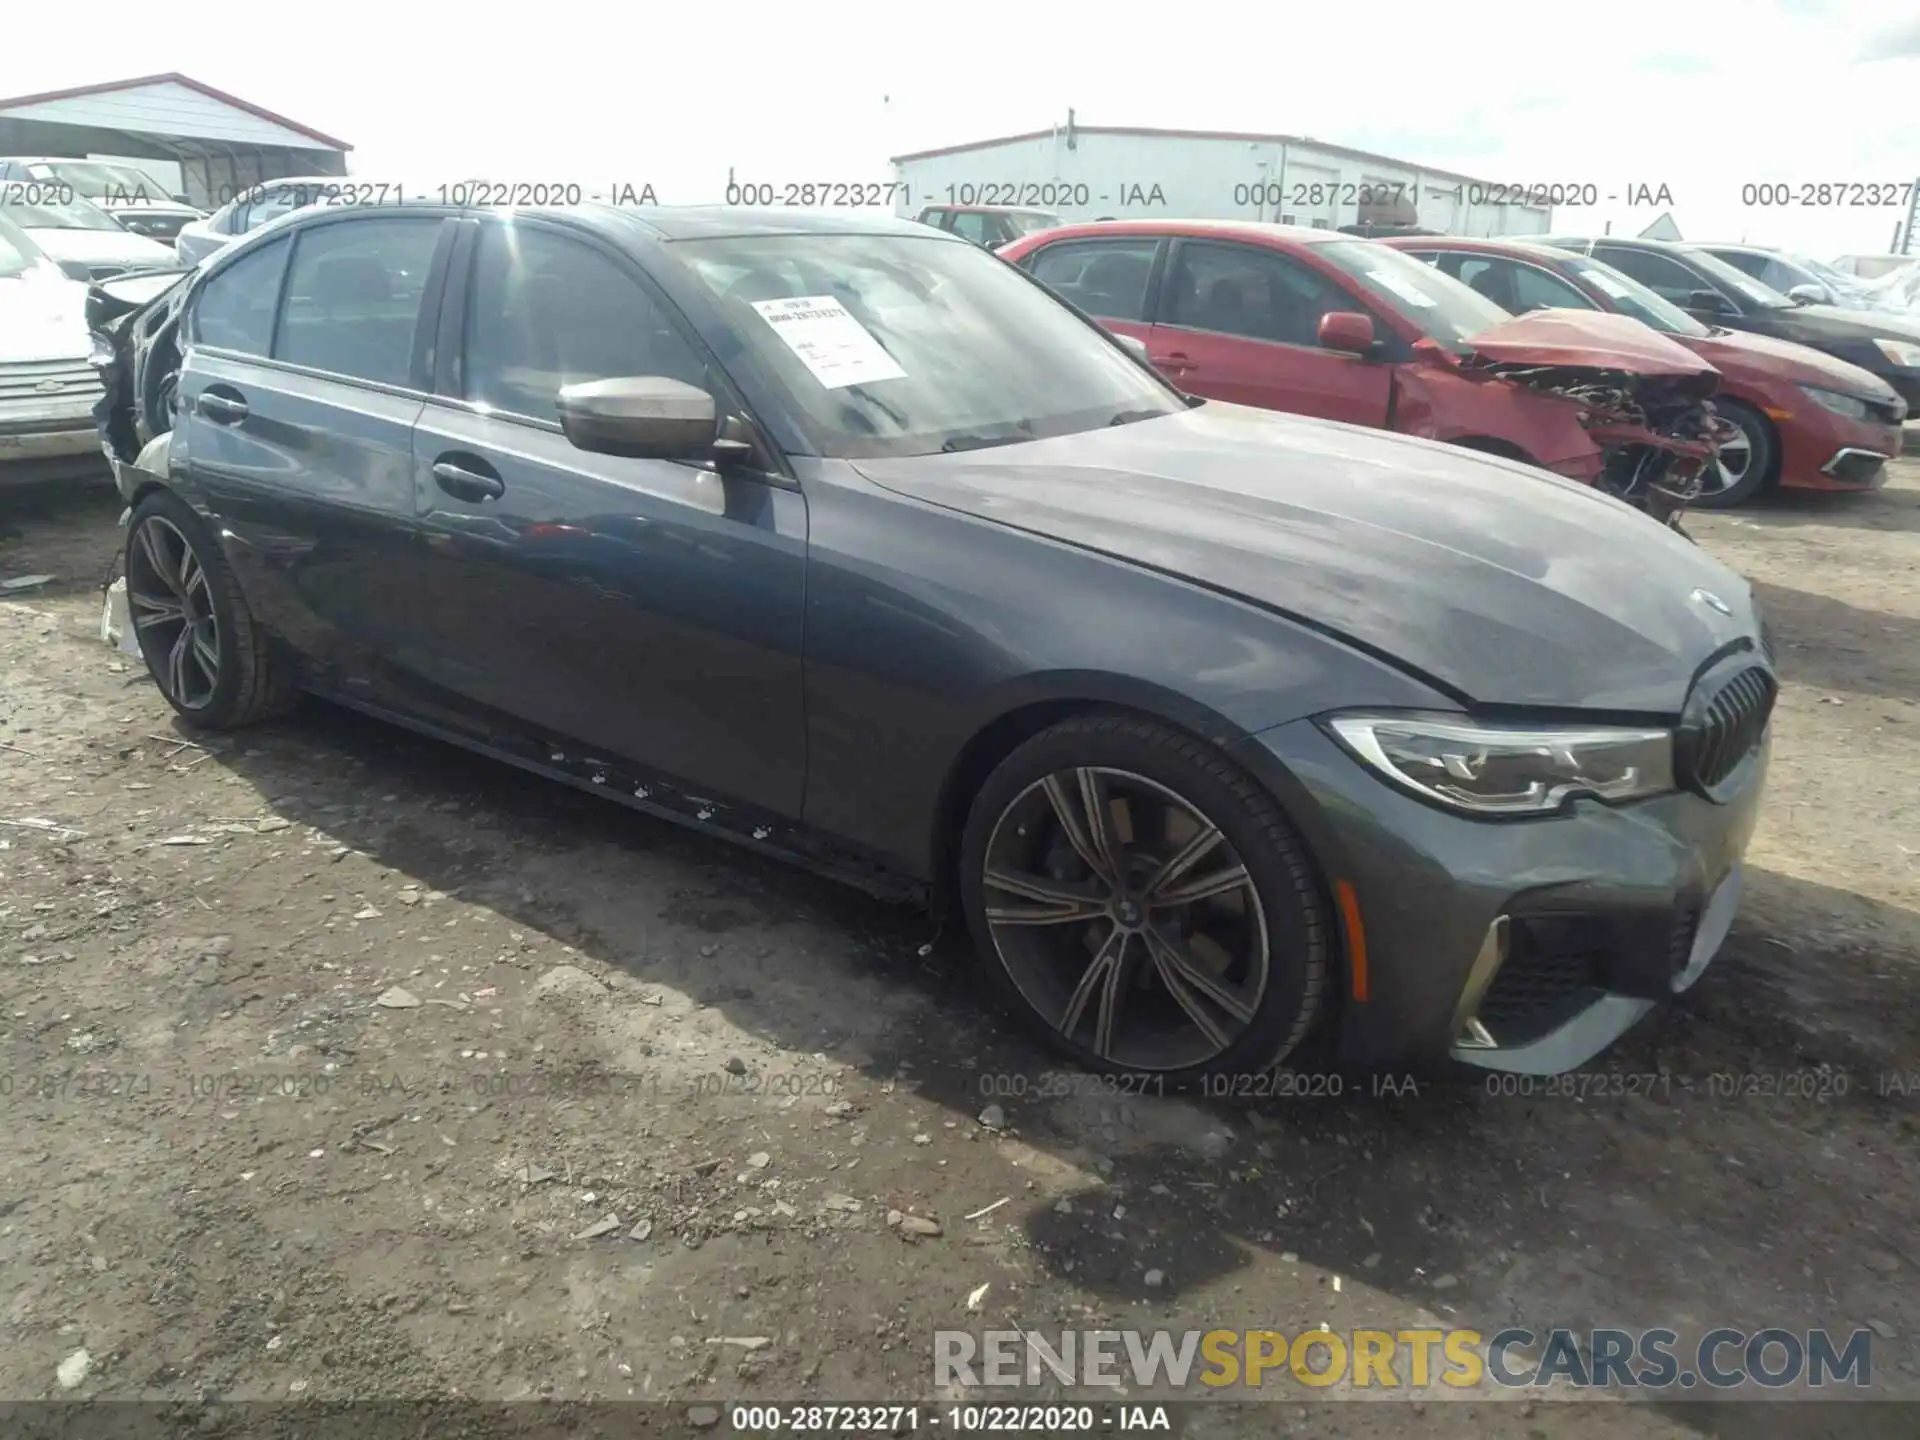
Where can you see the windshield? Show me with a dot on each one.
(1825, 273)
(74, 214)
(1631, 297)
(1729, 278)
(1439, 304)
(96, 179)
(18, 253)
(889, 345)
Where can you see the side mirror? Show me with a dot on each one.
(1347, 331)
(182, 200)
(1133, 345)
(647, 417)
(1711, 301)
(1808, 293)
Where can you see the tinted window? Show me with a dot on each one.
(234, 309)
(1103, 277)
(1236, 290)
(1746, 260)
(547, 311)
(353, 296)
(1667, 279)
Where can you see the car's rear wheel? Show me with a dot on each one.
(212, 662)
(1744, 465)
(1143, 903)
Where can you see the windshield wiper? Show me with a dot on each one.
(1127, 417)
(979, 442)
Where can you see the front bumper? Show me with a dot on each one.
(48, 439)
(1823, 451)
(1511, 945)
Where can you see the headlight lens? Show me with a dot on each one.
(1901, 352)
(1507, 770)
(1848, 405)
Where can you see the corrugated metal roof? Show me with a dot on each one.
(169, 104)
(1247, 136)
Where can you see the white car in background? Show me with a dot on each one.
(126, 192)
(47, 385)
(82, 239)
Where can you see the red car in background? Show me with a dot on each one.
(1323, 324)
(1807, 420)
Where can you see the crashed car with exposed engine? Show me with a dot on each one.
(1321, 323)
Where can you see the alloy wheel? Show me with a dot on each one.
(1126, 919)
(1730, 464)
(172, 608)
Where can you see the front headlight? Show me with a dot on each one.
(1485, 769)
(1850, 406)
(1905, 353)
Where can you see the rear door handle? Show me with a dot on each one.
(228, 409)
(465, 483)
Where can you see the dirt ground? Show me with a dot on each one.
(328, 1052)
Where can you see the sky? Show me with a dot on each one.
(1702, 97)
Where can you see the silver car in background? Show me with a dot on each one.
(255, 206)
(129, 194)
(81, 238)
(47, 387)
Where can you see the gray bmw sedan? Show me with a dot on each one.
(1231, 733)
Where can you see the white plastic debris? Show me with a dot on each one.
(116, 623)
(74, 1369)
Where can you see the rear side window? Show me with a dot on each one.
(1666, 278)
(547, 310)
(1107, 278)
(353, 297)
(234, 309)
(974, 226)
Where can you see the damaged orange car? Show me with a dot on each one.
(1323, 324)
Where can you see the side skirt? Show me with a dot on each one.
(764, 832)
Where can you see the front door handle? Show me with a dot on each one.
(221, 409)
(464, 483)
(1173, 360)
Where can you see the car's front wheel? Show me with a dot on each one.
(1744, 465)
(211, 660)
(1143, 903)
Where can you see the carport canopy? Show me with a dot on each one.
(222, 144)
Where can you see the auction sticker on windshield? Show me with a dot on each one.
(834, 346)
(1607, 283)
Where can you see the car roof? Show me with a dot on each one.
(1489, 244)
(659, 223)
(1259, 231)
(1625, 242)
(992, 209)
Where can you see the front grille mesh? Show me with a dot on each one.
(1735, 720)
(1539, 985)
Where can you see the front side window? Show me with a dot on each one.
(1536, 289)
(889, 345)
(234, 309)
(1668, 279)
(546, 310)
(1439, 305)
(1257, 294)
(1107, 278)
(353, 296)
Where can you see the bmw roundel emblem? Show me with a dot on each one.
(1712, 601)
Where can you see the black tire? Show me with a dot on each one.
(253, 676)
(1280, 888)
(1763, 454)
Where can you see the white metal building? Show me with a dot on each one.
(219, 143)
(1092, 172)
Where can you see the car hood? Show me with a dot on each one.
(42, 318)
(1583, 339)
(102, 247)
(1826, 322)
(1741, 352)
(1493, 580)
(148, 207)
